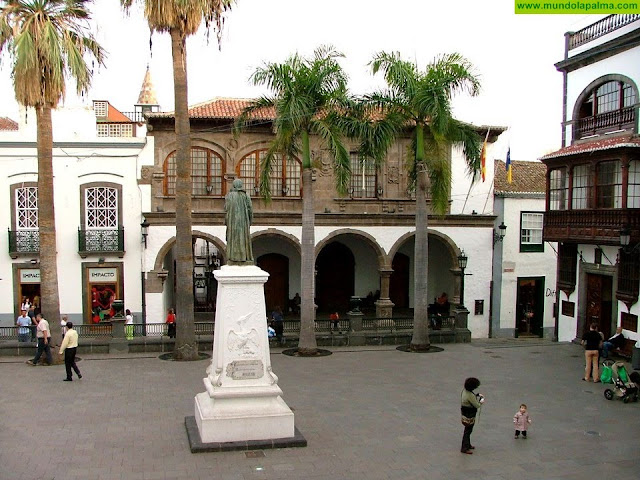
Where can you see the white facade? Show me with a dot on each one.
(81, 160)
(516, 271)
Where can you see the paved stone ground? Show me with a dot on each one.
(367, 413)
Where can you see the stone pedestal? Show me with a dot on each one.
(242, 401)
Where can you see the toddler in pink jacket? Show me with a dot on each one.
(521, 420)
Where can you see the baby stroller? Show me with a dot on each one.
(625, 386)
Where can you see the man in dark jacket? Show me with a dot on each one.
(591, 341)
(614, 343)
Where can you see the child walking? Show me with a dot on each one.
(521, 420)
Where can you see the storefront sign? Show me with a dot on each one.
(97, 275)
(30, 275)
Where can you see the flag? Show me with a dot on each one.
(508, 165)
(483, 161)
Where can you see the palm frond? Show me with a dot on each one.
(466, 136)
(327, 128)
(438, 165)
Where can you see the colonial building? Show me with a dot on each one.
(364, 241)
(593, 181)
(524, 265)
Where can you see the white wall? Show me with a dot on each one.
(511, 264)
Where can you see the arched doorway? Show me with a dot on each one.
(276, 290)
(399, 281)
(335, 277)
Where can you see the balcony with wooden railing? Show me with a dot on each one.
(600, 28)
(98, 241)
(591, 226)
(24, 242)
(623, 119)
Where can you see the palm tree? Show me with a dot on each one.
(182, 18)
(423, 99)
(308, 93)
(47, 40)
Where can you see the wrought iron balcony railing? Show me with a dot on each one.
(100, 241)
(23, 242)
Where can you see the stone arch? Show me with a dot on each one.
(453, 249)
(168, 245)
(383, 259)
(274, 232)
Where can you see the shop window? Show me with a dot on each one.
(567, 267)
(580, 188)
(531, 232)
(207, 169)
(633, 188)
(609, 185)
(285, 179)
(558, 189)
(364, 177)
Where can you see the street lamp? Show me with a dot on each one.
(499, 235)
(625, 240)
(462, 263)
(144, 227)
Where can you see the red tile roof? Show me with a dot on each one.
(630, 141)
(221, 108)
(527, 177)
(8, 124)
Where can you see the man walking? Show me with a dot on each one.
(23, 322)
(69, 347)
(43, 334)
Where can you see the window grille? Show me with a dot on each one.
(567, 266)
(100, 109)
(26, 208)
(101, 208)
(628, 275)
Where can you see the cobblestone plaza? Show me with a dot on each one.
(367, 413)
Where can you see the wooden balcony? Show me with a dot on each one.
(600, 227)
(622, 119)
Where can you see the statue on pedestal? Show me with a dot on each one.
(238, 218)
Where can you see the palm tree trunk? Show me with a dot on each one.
(185, 346)
(307, 344)
(49, 297)
(420, 338)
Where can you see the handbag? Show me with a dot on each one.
(468, 421)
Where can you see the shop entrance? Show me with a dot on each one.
(530, 311)
(29, 288)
